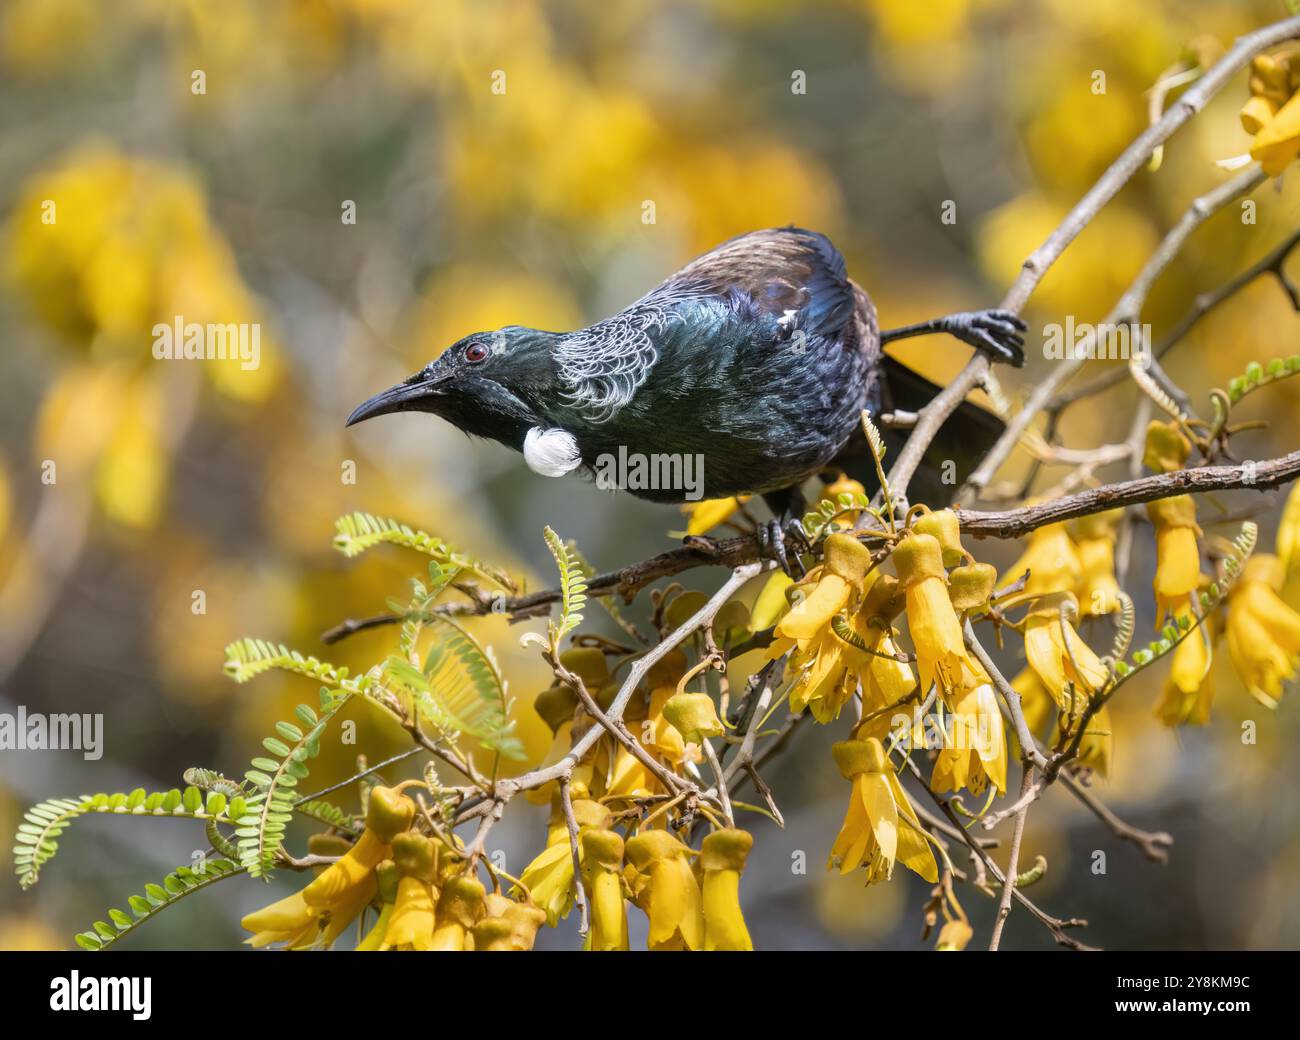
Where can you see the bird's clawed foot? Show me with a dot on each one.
(998, 333)
(782, 539)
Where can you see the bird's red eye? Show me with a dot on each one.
(476, 352)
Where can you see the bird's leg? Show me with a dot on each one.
(785, 527)
(998, 333)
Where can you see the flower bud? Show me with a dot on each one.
(970, 586)
(693, 716)
(388, 813)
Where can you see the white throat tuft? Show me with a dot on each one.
(552, 453)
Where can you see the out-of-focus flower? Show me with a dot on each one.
(1288, 531)
(712, 512)
(1057, 653)
(880, 826)
(771, 603)
(974, 749)
(722, 859)
(1263, 632)
(1166, 449)
(1178, 558)
(845, 485)
(1272, 114)
(1094, 539)
(664, 887)
(1052, 560)
(954, 936)
(936, 632)
(1036, 703)
(1187, 692)
(602, 867)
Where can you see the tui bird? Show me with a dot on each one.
(756, 358)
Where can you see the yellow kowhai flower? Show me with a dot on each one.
(1052, 560)
(1272, 114)
(602, 868)
(1036, 703)
(771, 603)
(1178, 558)
(320, 912)
(844, 485)
(460, 907)
(508, 925)
(549, 877)
(1057, 653)
(954, 936)
(722, 859)
(387, 880)
(931, 620)
(1187, 693)
(1094, 538)
(411, 924)
(713, 512)
(844, 570)
(1263, 632)
(880, 826)
(970, 586)
(1288, 531)
(693, 716)
(943, 526)
(1166, 449)
(664, 887)
(974, 750)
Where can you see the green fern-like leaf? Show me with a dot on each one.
(175, 886)
(37, 837)
(248, 658)
(459, 691)
(329, 814)
(260, 829)
(357, 532)
(573, 587)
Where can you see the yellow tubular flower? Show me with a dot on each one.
(387, 879)
(508, 926)
(975, 749)
(1047, 636)
(844, 569)
(1094, 537)
(706, 515)
(1035, 702)
(880, 826)
(460, 906)
(603, 869)
(1288, 531)
(1278, 142)
(1166, 448)
(320, 912)
(664, 887)
(944, 527)
(931, 620)
(387, 815)
(1187, 694)
(412, 922)
(771, 603)
(1263, 632)
(1052, 560)
(954, 936)
(970, 586)
(549, 877)
(722, 859)
(1178, 559)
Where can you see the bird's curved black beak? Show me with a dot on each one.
(410, 395)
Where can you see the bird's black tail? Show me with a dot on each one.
(952, 456)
